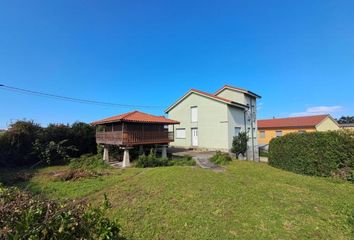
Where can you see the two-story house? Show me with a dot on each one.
(210, 121)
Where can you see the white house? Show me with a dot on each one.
(210, 121)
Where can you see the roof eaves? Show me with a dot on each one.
(211, 96)
(237, 89)
(330, 117)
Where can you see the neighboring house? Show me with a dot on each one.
(210, 121)
(348, 126)
(276, 127)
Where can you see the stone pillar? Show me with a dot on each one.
(164, 151)
(141, 150)
(126, 158)
(105, 153)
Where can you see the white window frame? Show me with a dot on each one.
(278, 131)
(254, 133)
(194, 114)
(179, 134)
(262, 134)
(238, 131)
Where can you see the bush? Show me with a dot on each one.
(221, 158)
(26, 143)
(52, 153)
(16, 144)
(89, 162)
(239, 143)
(313, 153)
(151, 161)
(23, 216)
(263, 154)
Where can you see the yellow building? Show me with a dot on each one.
(271, 128)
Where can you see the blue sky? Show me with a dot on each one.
(298, 55)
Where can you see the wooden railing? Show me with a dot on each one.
(114, 138)
(134, 137)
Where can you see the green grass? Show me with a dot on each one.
(247, 201)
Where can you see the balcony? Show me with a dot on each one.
(131, 138)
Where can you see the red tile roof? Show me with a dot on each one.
(136, 116)
(291, 122)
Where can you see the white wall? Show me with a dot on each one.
(238, 97)
(236, 119)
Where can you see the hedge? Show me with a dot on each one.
(313, 153)
(26, 143)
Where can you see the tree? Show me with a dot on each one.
(16, 143)
(52, 152)
(84, 138)
(239, 143)
(345, 119)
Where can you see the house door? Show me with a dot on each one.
(194, 137)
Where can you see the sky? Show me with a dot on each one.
(298, 55)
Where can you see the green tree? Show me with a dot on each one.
(16, 143)
(239, 143)
(346, 119)
(83, 138)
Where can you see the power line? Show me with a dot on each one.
(72, 99)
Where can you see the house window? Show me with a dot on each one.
(262, 134)
(180, 133)
(194, 114)
(237, 131)
(278, 133)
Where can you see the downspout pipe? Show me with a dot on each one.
(252, 130)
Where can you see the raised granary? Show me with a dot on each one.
(133, 129)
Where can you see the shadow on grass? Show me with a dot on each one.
(16, 176)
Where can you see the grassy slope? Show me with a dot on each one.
(247, 201)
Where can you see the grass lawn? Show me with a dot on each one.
(247, 201)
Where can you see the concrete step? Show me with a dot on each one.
(207, 164)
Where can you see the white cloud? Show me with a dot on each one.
(319, 110)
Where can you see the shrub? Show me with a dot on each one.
(23, 216)
(52, 152)
(16, 144)
(239, 143)
(151, 161)
(89, 162)
(263, 154)
(26, 143)
(83, 137)
(86, 166)
(313, 153)
(221, 158)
